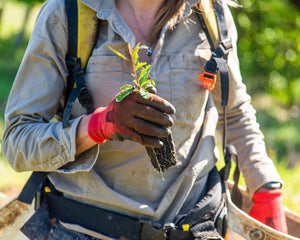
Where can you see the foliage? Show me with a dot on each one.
(269, 54)
(31, 3)
(9, 62)
(269, 48)
(141, 81)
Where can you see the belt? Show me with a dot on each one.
(111, 224)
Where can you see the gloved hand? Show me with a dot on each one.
(134, 118)
(268, 209)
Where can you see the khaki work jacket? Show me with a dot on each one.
(118, 175)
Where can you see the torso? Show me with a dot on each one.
(124, 167)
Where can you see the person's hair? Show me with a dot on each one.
(172, 10)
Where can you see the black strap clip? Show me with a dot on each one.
(76, 89)
(153, 230)
(223, 48)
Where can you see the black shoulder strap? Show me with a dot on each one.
(75, 88)
(218, 63)
(32, 186)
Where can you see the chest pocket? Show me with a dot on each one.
(187, 94)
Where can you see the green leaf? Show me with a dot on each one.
(144, 93)
(144, 71)
(145, 82)
(135, 57)
(144, 78)
(153, 83)
(139, 65)
(126, 87)
(118, 53)
(124, 94)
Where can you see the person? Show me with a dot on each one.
(87, 163)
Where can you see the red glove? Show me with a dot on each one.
(268, 209)
(134, 118)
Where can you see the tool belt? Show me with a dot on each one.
(206, 220)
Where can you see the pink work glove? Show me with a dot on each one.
(268, 209)
(134, 118)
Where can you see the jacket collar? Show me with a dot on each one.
(102, 7)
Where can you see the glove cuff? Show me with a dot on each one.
(268, 209)
(95, 125)
(267, 196)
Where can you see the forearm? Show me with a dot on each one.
(83, 140)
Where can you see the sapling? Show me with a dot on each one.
(141, 81)
(164, 157)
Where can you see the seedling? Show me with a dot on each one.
(164, 157)
(141, 81)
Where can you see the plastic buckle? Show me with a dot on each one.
(208, 80)
(72, 61)
(223, 48)
(227, 44)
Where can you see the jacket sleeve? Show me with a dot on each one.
(32, 141)
(243, 130)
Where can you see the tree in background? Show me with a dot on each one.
(269, 47)
(269, 52)
(29, 5)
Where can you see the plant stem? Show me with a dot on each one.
(132, 65)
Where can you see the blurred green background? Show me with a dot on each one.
(269, 46)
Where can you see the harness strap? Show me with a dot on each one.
(80, 91)
(109, 223)
(207, 219)
(218, 63)
(32, 186)
(82, 34)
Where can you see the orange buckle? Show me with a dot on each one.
(208, 80)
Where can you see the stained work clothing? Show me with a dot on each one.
(119, 175)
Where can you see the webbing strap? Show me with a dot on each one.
(221, 21)
(72, 16)
(76, 75)
(218, 63)
(221, 52)
(32, 186)
(76, 87)
(80, 91)
(97, 219)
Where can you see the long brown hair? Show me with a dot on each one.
(172, 10)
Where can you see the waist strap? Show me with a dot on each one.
(110, 223)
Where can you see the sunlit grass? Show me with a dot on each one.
(291, 190)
